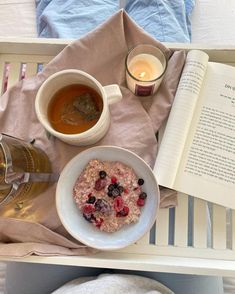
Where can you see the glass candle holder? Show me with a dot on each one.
(145, 69)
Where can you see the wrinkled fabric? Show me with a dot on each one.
(36, 228)
(114, 284)
(167, 21)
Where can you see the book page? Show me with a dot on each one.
(180, 117)
(207, 169)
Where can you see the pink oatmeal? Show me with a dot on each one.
(109, 194)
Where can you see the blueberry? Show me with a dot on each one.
(140, 182)
(143, 195)
(88, 217)
(102, 174)
(111, 187)
(102, 206)
(121, 189)
(115, 192)
(98, 204)
(110, 194)
(91, 199)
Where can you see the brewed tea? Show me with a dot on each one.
(18, 156)
(74, 109)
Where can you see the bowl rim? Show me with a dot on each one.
(63, 173)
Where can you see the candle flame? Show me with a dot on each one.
(142, 74)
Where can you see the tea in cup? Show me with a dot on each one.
(74, 107)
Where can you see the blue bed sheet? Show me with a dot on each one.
(165, 20)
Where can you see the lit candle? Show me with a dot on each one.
(145, 66)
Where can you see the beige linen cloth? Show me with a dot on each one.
(36, 228)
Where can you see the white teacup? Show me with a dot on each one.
(110, 94)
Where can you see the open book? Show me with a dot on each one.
(197, 151)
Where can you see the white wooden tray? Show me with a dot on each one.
(212, 248)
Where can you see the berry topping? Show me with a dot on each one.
(100, 184)
(143, 195)
(140, 182)
(91, 199)
(124, 211)
(113, 180)
(111, 187)
(110, 194)
(126, 191)
(115, 192)
(140, 202)
(102, 174)
(98, 204)
(89, 217)
(118, 204)
(121, 189)
(98, 222)
(102, 206)
(88, 208)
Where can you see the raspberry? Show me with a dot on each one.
(124, 211)
(88, 208)
(98, 222)
(140, 202)
(100, 184)
(113, 180)
(118, 203)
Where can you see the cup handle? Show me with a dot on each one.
(113, 93)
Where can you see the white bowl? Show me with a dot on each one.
(72, 218)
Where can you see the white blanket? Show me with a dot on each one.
(113, 284)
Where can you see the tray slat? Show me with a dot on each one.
(219, 227)
(200, 224)
(181, 221)
(144, 240)
(2, 67)
(233, 229)
(31, 69)
(162, 227)
(14, 73)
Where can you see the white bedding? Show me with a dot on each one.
(17, 18)
(212, 21)
(212, 24)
